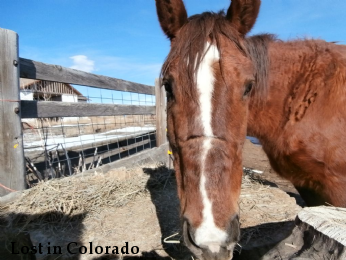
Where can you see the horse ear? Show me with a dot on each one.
(243, 14)
(172, 16)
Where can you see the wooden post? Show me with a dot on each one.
(12, 168)
(161, 123)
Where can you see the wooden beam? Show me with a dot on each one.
(38, 70)
(161, 124)
(106, 154)
(34, 109)
(154, 155)
(320, 233)
(12, 167)
(38, 155)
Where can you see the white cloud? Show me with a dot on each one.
(128, 69)
(82, 62)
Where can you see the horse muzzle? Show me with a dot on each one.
(212, 251)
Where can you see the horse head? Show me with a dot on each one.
(208, 77)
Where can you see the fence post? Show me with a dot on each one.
(161, 124)
(12, 168)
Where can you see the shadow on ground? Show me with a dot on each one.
(50, 227)
(145, 255)
(20, 232)
(256, 241)
(163, 191)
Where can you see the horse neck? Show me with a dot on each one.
(290, 70)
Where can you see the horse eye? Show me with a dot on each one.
(248, 87)
(168, 88)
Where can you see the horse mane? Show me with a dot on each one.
(190, 43)
(257, 51)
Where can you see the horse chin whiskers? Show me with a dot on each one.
(231, 246)
(214, 248)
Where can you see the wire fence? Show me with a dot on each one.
(56, 147)
(106, 96)
(59, 127)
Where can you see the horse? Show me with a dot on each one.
(221, 85)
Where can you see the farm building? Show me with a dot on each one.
(31, 89)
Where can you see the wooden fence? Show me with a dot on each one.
(12, 162)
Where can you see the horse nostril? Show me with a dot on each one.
(212, 248)
(189, 239)
(235, 229)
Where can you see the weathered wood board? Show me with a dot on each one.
(320, 233)
(161, 124)
(39, 70)
(11, 138)
(34, 109)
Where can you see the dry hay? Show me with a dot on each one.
(77, 195)
(91, 209)
(259, 202)
(266, 214)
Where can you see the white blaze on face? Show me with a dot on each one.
(207, 234)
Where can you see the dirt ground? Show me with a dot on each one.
(255, 158)
(145, 214)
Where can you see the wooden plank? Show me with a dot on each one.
(38, 155)
(80, 148)
(329, 221)
(39, 70)
(34, 109)
(106, 154)
(154, 155)
(161, 119)
(12, 167)
(320, 233)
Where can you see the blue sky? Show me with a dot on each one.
(122, 38)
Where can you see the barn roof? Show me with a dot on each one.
(25, 83)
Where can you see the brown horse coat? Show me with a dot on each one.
(302, 123)
(221, 85)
